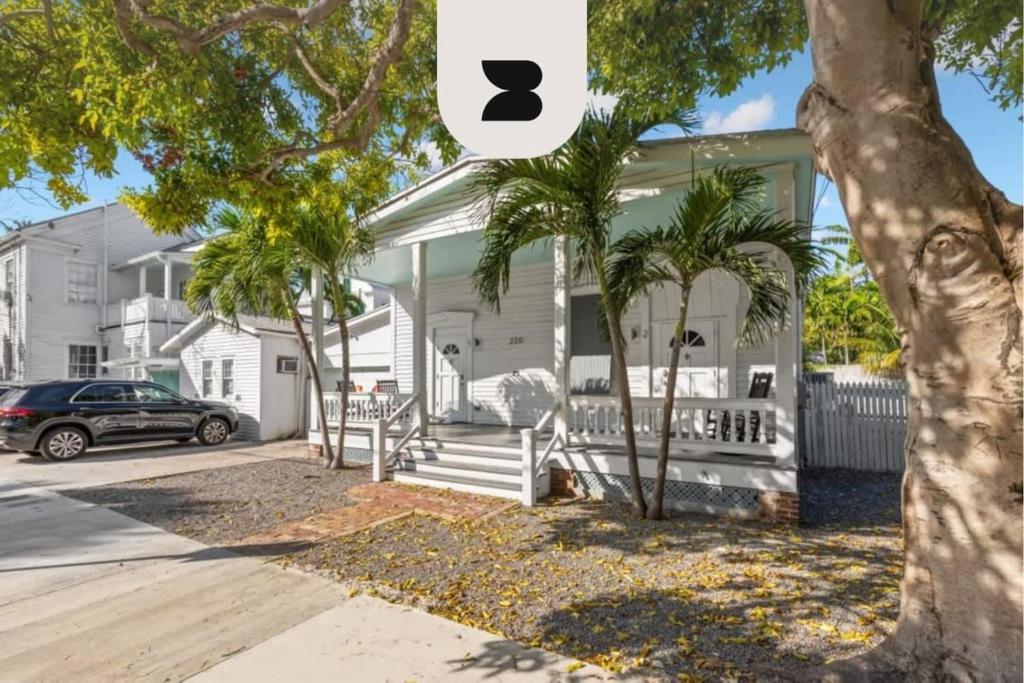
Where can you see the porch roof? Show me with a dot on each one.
(442, 208)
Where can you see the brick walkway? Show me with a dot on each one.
(378, 504)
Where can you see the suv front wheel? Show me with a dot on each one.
(214, 431)
(63, 443)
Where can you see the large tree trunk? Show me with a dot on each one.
(944, 246)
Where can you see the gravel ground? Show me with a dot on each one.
(696, 597)
(229, 503)
(844, 497)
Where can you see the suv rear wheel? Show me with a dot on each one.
(63, 443)
(213, 431)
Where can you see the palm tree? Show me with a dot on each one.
(571, 194)
(712, 229)
(335, 242)
(241, 271)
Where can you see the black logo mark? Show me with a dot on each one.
(518, 78)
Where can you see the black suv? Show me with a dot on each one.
(60, 420)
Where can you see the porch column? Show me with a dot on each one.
(168, 272)
(787, 369)
(563, 287)
(317, 303)
(419, 334)
(142, 280)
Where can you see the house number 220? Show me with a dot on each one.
(516, 340)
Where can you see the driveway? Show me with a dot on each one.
(89, 594)
(131, 463)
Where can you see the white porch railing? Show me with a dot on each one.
(532, 466)
(725, 425)
(365, 408)
(381, 456)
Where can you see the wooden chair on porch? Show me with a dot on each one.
(386, 386)
(760, 387)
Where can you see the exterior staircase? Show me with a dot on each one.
(474, 468)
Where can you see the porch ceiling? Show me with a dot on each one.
(457, 255)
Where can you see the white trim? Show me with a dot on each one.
(199, 326)
(361, 320)
(711, 470)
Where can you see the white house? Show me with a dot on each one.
(257, 367)
(88, 294)
(517, 403)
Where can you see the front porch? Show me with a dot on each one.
(735, 472)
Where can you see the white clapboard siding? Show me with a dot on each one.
(216, 344)
(858, 425)
(501, 397)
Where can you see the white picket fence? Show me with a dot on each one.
(857, 425)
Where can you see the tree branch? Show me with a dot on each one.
(192, 40)
(357, 141)
(343, 118)
(19, 14)
(48, 13)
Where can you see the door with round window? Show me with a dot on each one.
(698, 359)
(449, 395)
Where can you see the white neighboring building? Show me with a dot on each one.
(80, 298)
(258, 368)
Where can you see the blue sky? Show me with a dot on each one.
(767, 100)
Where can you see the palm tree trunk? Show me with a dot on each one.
(321, 409)
(658, 496)
(338, 304)
(625, 398)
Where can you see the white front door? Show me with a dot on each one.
(699, 367)
(450, 354)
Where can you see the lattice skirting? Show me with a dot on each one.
(358, 454)
(682, 494)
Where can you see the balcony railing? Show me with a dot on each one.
(728, 425)
(148, 307)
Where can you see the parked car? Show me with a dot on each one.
(60, 420)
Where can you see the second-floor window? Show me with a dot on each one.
(207, 378)
(227, 377)
(9, 275)
(82, 282)
(81, 361)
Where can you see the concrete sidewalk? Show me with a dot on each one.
(87, 594)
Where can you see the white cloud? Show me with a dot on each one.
(601, 101)
(751, 115)
(826, 202)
